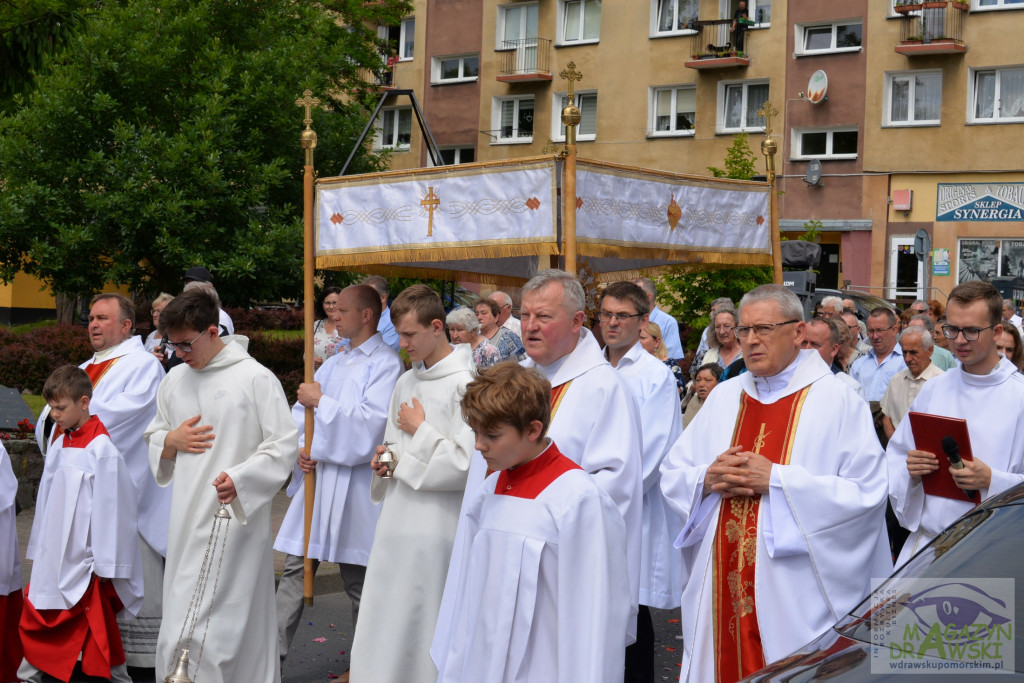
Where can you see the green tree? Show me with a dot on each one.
(166, 136)
(687, 295)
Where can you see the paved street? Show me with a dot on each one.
(320, 651)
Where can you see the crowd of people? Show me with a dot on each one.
(513, 504)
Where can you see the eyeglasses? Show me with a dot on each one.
(762, 331)
(621, 317)
(878, 333)
(970, 333)
(330, 304)
(184, 347)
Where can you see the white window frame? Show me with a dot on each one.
(524, 30)
(435, 69)
(458, 149)
(723, 87)
(801, 37)
(563, 13)
(656, 16)
(725, 9)
(973, 94)
(496, 106)
(976, 6)
(652, 107)
(406, 26)
(798, 133)
(557, 134)
(911, 76)
(378, 129)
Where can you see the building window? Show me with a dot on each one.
(998, 4)
(580, 21)
(455, 155)
(914, 99)
(673, 110)
(843, 36)
(759, 11)
(400, 38)
(517, 25)
(738, 104)
(673, 17)
(834, 143)
(512, 118)
(395, 129)
(998, 95)
(587, 129)
(455, 69)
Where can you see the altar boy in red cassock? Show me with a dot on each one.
(543, 589)
(84, 545)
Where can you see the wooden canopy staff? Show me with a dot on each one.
(570, 119)
(768, 148)
(308, 141)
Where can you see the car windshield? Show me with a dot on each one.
(953, 593)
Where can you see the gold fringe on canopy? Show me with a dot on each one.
(435, 274)
(745, 257)
(385, 256)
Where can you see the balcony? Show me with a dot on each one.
(932, 28)
(712, 47)
(525, 60)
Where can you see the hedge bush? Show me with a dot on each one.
(258, 319)
(27, 359)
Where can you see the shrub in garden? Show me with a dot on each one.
(26, 360)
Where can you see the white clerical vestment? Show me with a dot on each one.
(597, 426)
(820, 529)
(654, 385)
(256, 445)
(348, 425)
(992, 405)
(124, 398)
(540, 596)
(85, 522)
(414, 536)
(10, 555)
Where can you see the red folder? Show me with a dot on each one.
(928, 431)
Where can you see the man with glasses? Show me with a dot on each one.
(875, 369)
(781, 488)
(223, 432)
(988, 392)
(624, 308)
(125, 378)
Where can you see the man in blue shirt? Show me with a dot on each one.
(669, 326)
(875, 369)
(385, 326)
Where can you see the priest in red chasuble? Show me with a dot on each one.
(780, 483)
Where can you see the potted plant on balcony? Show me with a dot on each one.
(935, 4)
(912, 40)
(962, 6)
(907, 6)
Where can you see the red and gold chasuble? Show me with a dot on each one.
(766, 429)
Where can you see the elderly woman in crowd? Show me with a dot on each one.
(723, 347)
(464, 328)
(154, 339)
(653, 342)
(706, 380)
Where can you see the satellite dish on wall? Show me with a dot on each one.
(817, 88)
(813, 177)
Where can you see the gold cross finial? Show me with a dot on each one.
(308, 101)
(571, 74)
(767, 111)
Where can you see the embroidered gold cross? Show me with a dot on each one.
(759, 441)
(430, 203)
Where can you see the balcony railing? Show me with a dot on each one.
(716, 46)
(930, 28)
(528, 59)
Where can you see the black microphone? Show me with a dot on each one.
(952, 451)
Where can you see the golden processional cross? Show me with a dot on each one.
(430, 203)
(767, 112)
(571, 75)
(308, 101)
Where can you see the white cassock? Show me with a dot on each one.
(539, 599)
(124, 398)
(413, 540)
(256, 445)
(597, 426)
(10, 555)
(655, 388)
(821, 534)
(992, 404)
(85, 523)
(348, 425)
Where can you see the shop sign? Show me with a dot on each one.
(980, 202)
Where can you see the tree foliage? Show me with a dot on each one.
(166, 136)
(688, 295)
